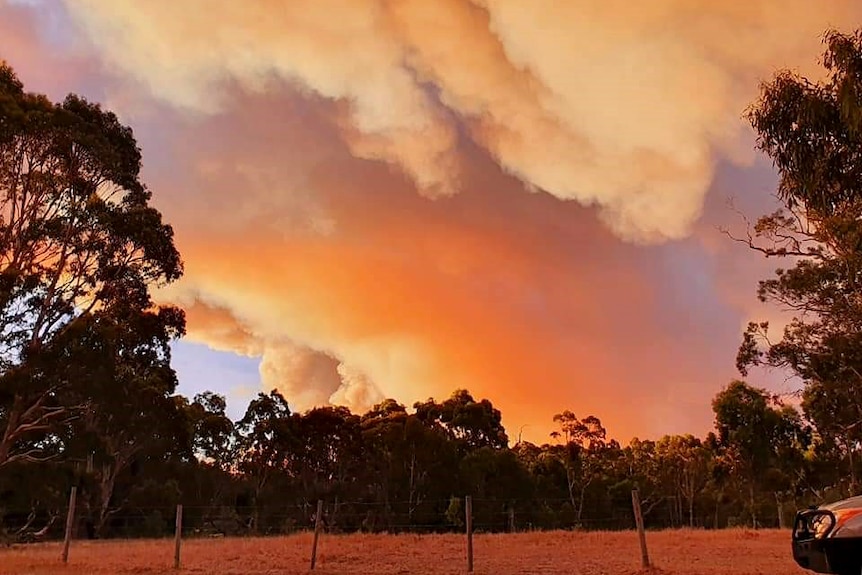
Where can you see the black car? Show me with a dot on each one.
(828, 538)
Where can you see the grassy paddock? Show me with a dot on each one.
(689, 552)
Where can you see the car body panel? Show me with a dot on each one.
(828, 538)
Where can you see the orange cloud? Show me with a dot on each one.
(613, 104)
(516, 296)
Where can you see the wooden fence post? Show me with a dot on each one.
(70, 521)
(178, 535)
(468, 512)
(639, 520)
(318, 520)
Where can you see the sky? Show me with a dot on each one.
(399, 199)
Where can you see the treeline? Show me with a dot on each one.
(394, 469)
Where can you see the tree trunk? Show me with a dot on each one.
(570, 481)
(581, 503)
(333, 517)
(412, 494)
(15, 422)
(8, 433)
(780, 511)
(107, 484)
(751, 505)
(717, 506)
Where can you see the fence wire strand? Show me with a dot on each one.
(339, 517)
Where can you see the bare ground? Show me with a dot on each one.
(690, 552)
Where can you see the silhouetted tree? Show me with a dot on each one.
(813, 132)
(77, 235)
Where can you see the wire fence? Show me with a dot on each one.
(426, 516)
(465, 515)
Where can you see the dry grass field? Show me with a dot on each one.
(690, 552)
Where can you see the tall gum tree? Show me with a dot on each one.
(813, 134)
(77, 236)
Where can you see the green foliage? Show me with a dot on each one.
(812, 133)
(472, 423)
(79, 250)
(455, 512)
(388, 469)
(85, 373)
